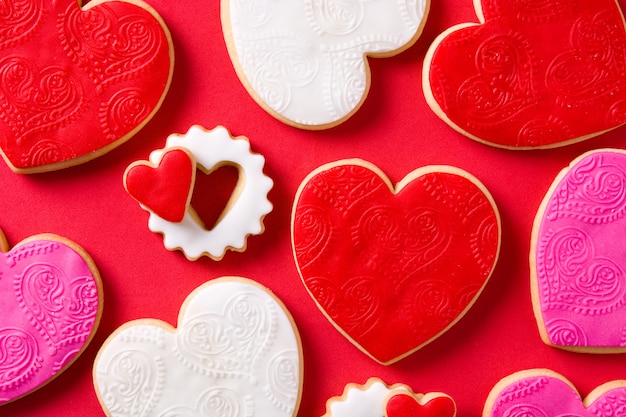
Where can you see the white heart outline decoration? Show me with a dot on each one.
(236, 350)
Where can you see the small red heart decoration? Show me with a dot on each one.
(531, 74)
(393, 268)
(76, 82)
(164, 189)
(407, 405)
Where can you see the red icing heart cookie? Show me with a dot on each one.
(164, 189)
(77, 82)
(51, 303)
(535, 74)
(393, 268)
(410, 405)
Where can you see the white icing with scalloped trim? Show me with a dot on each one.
(305, 60)
(212, 149)
(235, 353)
(362, 400)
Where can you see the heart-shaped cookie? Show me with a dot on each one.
(531, 74)
(51, 298)
(578, 263)
(376, 399)
(236, 351)
(544, 393)
(165, 188)
(393, 267)
(406, 404)
(305, 61)
(77, 82)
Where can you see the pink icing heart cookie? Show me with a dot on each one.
(544, 393)
(393, 267)
(578, 264)
(376, 399)
(106, 69)
(165, 188)
(531, 74)
(305, 62)
(236, 352)
(51, 298)
(207, 150)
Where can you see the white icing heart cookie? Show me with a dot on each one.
(244, 213)
(305, 61)
(236, 352)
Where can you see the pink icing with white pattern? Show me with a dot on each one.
(580, 286)
(50, 303)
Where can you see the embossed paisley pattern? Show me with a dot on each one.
(503, 83)
(105, 74)
(19, 20)
(392, 271)
(50, 307)
(235, 351)
(304, 61)
(580, 270)
(547, 394)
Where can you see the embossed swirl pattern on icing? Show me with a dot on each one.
(37, 100)
(502, 83)
(18, 21)
(550, 395)
(580, 269)
(235, 352)
(304, 61)
(108, 46)
(379, 264)
(19, 358)
(50, 304)
(104, 73)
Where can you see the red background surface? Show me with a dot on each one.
(396, 130)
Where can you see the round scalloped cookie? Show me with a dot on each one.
(543, 392)
(77, 81)
(51, 298)
(377, 399)
(236, 352)
(531, 74)
(393, 267)
(170, 174)
(577, 265)
(305, 62)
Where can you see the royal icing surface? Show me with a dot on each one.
(543, 393)
(75, 83)
(411, 405)
(166, 188)
(244, 217)
(532, 74)
(50, 303)
(578, 263)
(363, 400)
(236, 352)
(304, 61)
(393, 270)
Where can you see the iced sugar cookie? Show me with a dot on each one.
(578, 263)
(168, 177)
(393, 267)
(236, 351)
(542, 392)
(305, 61)
(51, 298)
(106, 69)
(531, 75)
(376, 399)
